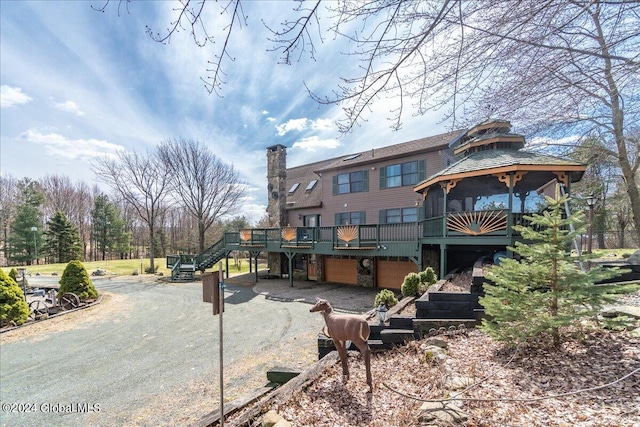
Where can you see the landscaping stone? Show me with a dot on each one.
(434, 342)
(441, 411)
(271, 418)
(434, 354)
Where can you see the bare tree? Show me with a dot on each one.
(74, 200)
(142, 182)
(556, 67)
(206, 187)
(9, 193)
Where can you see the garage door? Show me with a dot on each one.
(390, 274)
(341, 271)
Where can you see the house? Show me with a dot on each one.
(375, 186)
(372, 217)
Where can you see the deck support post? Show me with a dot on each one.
(253, 255)
(290, 256)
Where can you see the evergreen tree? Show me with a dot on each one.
(75, 279)
(108, 228)
(546, 290)
(13, 307)
(62, 241)
(24, 241)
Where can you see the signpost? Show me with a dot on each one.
(213, 292)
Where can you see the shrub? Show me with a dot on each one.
(387, 298)
(411, 285)
(75, 279)
(428, 276)
(13, 307)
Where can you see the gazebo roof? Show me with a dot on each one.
(491, 162)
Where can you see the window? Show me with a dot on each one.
(402, 174)
(391, 216)
(294, 187)
(354, 182)
(311, 185)
(351, 157)
(344, 218)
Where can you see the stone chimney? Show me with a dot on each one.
(277, 197)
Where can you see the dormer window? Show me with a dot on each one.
(294, 187)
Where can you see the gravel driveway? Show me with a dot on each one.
(148, 355)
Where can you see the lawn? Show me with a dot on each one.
(123, 267)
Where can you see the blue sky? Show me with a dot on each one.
(77, 84)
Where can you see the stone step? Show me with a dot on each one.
(401, 321)
(397, 336)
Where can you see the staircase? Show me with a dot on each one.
(183, 267)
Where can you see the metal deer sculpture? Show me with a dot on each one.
(346, 327)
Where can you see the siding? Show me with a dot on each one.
(375, 199)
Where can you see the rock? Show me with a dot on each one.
(282, 423)
(135, 272)
(434, 354)
(271, 418)
(441, 411)
(435, 341)
(634, 259)
(635, 333)
(457, 382)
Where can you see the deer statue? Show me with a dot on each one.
(346, 327)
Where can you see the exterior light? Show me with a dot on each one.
(382, 313)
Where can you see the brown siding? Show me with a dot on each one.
(390, 274)
(341, 271)
(375, 199)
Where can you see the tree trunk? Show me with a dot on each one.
(151, 249)
(617, 116)
(201, 231)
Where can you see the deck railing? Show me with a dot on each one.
(400, 238)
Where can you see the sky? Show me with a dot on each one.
(77, 84)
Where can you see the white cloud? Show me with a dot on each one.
(322, 124)
(265, 112)
(61, 146)
(293, 124)
(302, 124)
(271, 119)
(69, 107)
(10, 96)
(313, 143)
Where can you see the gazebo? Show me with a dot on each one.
(471, 206)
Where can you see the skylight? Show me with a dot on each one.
(294, 187)
(351, 157)
(311, 185)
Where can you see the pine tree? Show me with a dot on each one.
(62, 242)
(24, 239)
(546, 290)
